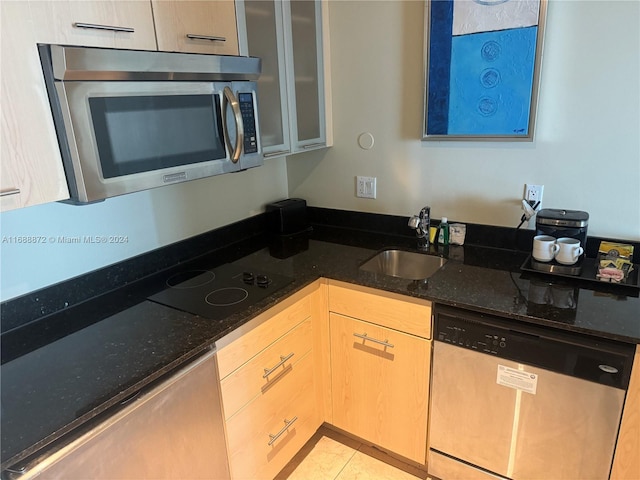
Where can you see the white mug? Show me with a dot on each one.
(544, 248)
(569, 251)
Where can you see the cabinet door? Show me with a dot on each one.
(626, 462)
(288, 36)
(265, 39)
(32, 170)
(96, 23)
(380, 385)
(196, 26)
(306, 73)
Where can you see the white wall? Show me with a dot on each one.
(586, 151)
(148, 220)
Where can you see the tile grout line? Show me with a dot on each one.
(347, 462)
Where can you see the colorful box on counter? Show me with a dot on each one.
(615, 261)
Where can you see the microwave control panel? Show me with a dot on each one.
(249, 121)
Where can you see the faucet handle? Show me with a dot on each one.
(414, 221)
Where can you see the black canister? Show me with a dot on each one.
(287, 216)
(288, 227)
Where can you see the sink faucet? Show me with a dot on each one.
(421, 224)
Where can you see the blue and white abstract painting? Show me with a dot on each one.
(481, 68)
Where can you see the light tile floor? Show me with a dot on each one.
(329, 455)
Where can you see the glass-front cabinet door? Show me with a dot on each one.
(307, 73)
(288, 37)
(265, 39)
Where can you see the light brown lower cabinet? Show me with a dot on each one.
(268, 432)
(269, 387)
(626, 461)
(380, 385)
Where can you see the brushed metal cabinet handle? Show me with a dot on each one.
(314, 145)
(269, 371)
(276, 154)
(111, 28)
(287, 424)
(9, 191)
(211, 38)
(364, 336)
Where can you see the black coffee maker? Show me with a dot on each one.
(562, 223)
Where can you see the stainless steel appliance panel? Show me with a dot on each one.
(176, 430)
(471, 417)
(128, 121)
(567, 429)
(516, 401)
(88, 63)
(82, 137)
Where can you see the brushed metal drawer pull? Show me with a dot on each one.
(10, 191)
(104, 27)
(287, 424)
(269, 371)
(364, 336)
(211, 38)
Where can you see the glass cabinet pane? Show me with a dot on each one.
(304, 29)
(262, 22)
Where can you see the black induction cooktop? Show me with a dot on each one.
(220, 292)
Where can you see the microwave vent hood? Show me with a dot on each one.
(92, 63)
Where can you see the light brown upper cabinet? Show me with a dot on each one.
(32, 170)
(196, 26)
(100, 23)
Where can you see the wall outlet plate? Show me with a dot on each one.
(533, 194)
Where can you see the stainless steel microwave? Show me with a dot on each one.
(130, 120)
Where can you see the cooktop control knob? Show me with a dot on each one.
(262, 281)
(248, 277)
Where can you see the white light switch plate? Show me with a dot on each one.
(366, 187)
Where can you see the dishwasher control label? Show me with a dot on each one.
(518, 379)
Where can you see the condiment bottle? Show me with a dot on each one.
(443, 235)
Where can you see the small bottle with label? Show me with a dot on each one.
(443, 234)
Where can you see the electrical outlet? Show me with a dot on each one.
(533, 194)
(366, 187)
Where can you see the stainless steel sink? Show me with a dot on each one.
(403, 264)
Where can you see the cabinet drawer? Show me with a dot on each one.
(102, 23)
(241, 350)
(399, 312)
(248, 432)
(196, 26)
(380, 385)
(252, 380)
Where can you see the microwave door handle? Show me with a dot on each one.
(230, 99)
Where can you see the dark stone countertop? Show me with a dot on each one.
(72, 368)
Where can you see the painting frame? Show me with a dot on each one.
(481, 78)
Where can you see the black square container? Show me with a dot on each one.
(287, 216)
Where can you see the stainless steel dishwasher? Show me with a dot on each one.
(172, 431)
(513, 400)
